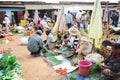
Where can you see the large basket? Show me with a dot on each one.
(94, 57)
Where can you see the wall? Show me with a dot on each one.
(9, 10)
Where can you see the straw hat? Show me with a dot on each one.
(73, 31)
(86, 39)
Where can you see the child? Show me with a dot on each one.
(76, 43)
(59, 40)
(66, 42)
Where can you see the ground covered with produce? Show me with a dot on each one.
(32, 68)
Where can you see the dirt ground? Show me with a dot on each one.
(34, 68)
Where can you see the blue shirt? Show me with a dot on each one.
(69, 18)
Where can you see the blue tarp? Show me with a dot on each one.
(79, 77)
(1, 55)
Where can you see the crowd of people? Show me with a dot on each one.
(72, 39)
(83, 46)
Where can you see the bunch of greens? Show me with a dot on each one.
(50, 54)
(58, 42)
(54, 60)
(74, 61)
(95, 70)
(72, 77)
(10, 67)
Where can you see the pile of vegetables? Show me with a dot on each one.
(61, 70)
(95, 73)
(96, 68)
(73, 77)
(10, 67)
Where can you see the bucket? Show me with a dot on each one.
(84, 67)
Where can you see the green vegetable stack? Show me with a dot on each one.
(72, 77)
(10, 67)
(96, 68)
(95, 73)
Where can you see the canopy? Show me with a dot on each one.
(36, 16)
(26, 14)
(95, 29)
(60, 23)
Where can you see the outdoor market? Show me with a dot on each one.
(60, 41)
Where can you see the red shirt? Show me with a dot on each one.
(116, 56)
(38, 25)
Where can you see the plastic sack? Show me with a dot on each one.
(24, 40)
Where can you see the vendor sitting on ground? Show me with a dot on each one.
(2, 35)
(50, 40)
(75, 42)
(66, 42)
(111, 66)
(35, 43)
(105, 48)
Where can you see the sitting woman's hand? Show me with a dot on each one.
(107, 72)
(103, 66)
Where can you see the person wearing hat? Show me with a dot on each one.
(35, 43)
(50, 40)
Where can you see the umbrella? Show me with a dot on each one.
(26, 14)
(13, 18)
(95, 29)
(36, 16)
(60, 23)
(105, 17)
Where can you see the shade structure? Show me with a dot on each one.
(95, 29)
(26, 15)
(60, 23)
(13, 18)
(105, 16)
(36, 16)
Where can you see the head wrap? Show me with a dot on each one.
(39, 32)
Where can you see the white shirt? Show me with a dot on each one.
(7, 20)
(44, 23)
(78, 15)
(50, 39)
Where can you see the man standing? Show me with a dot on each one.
(35, 43)
(115, 18)
(7, 23)
(69, 19)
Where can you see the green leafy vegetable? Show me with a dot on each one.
(10, 67)
(73, 77)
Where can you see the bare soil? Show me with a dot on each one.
(34, 68)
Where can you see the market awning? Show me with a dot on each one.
(57, 6)
(66, 6)
(20, 6)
